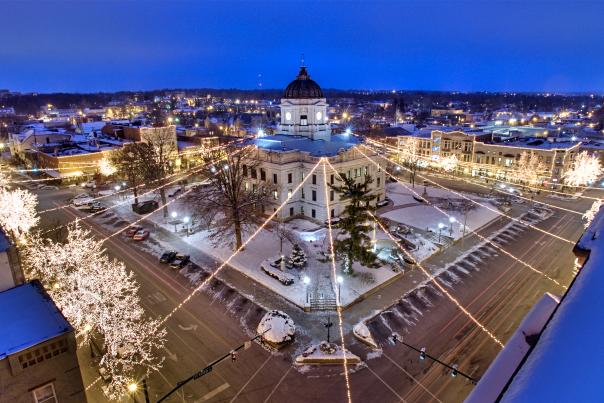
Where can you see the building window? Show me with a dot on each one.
(45, 394)
(302, 210)
(379, 180)
(302, 194)
(275, 194)
(333, 213)
(246, 186)
(290, 178)
(262, 174)
(314, 195)
(314, 179)
(254, 174)
(331, 195)
(303, 120)
(254, 187)
(275, 179)
(313, 213)
(331, 179)
(244, 170)
(289, 193)
(291, 211)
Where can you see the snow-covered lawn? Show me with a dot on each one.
(427, 218)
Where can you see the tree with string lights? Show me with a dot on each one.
(448, 163)
(99, 298)
(585, 169)
(352, 243)
(18, 213)
(528, 169)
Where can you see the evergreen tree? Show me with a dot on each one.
(297, 258)
(353, 243)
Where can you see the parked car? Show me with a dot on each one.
(49, 187)
(334, 221)
(82, 199)
(180, 261)
(383, 203)
(141, 235)
(167, 257)
(175, 192)
(96, 207)
(145, 207)
(89, 185)
(133, 230)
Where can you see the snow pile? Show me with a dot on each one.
(362, 333)
(276, 327)
(326, 353)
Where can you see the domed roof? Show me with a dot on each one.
(303, 87)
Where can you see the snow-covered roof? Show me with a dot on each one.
(29, 317)
(316, 148)
(566, 363)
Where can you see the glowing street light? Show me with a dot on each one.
(440, 230)
(132, 387)
(451, 221)
(186, 221)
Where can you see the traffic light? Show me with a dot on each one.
(454, 371)
(422, 353)
(233, 356)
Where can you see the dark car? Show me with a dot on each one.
(167, 257)
(180, 261)
(96, 207)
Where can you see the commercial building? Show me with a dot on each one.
(10, 267)
(38, 361)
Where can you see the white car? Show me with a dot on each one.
(90, 185)
(82, 199)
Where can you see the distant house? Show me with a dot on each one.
(38, 361)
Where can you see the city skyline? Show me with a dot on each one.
(441, 46)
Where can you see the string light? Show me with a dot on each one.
(334, 278)
(432, 278)
(483, 205)
(485, 239)
(428, 159)
(247, 241)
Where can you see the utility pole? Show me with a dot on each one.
(423, 355)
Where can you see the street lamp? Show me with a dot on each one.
(339, 280)
(451, 221)
(186, 221)
(174, 215)
(440, 230)
(306, 281)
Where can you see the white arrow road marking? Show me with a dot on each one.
(171, 355)
(191, 327)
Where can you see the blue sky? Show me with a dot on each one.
(464, 45)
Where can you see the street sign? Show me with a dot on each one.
(203, 372)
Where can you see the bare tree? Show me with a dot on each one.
(233, 201)
(158, 149)
(127, 161)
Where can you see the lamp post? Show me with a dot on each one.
(339, 280)
(174, 215)
(440, 230)
(328, 326)
(133, 389)
(186, 221)
(451, 221)
(306, 281)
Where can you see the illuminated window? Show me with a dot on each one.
(288, 116)
(319, 115)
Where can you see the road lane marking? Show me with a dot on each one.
(412, 377)
(278, 384)
(384, 382)
(250, 380)
(214, 392)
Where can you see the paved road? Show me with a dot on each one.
(499, 295)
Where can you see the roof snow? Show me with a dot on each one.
(29, 317)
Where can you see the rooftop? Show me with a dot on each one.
(565, 364)
(29, 317)
(316, 148)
